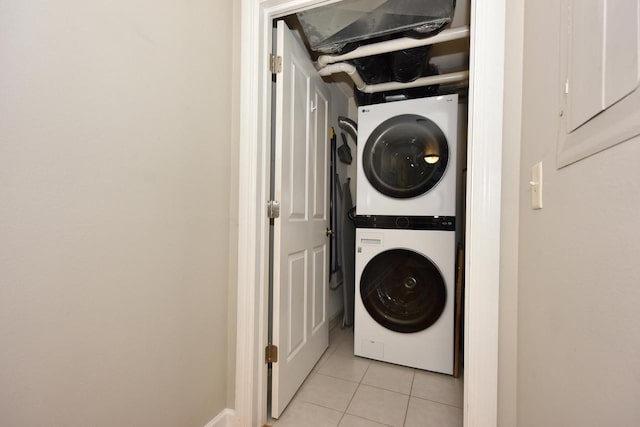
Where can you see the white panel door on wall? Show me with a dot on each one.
(300, 269)
(600, 72)
(603, 56)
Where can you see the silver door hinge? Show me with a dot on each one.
(275, 64)
(271, 354)
(566, 87)
(273, 209)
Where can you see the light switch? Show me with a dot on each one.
(536, 186)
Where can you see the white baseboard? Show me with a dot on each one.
(223, 419)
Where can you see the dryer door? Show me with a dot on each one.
(403, 291)
(405, 156)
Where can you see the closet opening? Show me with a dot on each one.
(388, 190)
(483, 204)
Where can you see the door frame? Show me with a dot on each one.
(484, 176)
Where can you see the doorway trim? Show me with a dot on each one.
(484, 176)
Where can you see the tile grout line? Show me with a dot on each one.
(406, 411)
(351, 400)
(360, 416)
(413, 380)
(431, 400)
(378, 388)
(374, 362)
(333, 351)
(386, 389)
(336, 378)
(319, 406)
(354, 393)
(330, 351)
(440, 403)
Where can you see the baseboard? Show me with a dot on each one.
(223, 419)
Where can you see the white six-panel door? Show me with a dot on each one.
(300, 269)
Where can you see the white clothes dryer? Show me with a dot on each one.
(407, 157)
(405, 296)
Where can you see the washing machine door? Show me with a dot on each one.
(405, 156)
(403, 291)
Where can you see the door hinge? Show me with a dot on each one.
(271, 354)
(566, 87)
(273, 209)
(275, 64)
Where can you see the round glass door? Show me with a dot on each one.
(405, 156)
(403, 290)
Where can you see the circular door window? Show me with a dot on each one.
(403, 290)
(405, 156)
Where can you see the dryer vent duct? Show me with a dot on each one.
(341, 27)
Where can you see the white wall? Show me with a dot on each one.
(340, 107)
(114, 221)
(579, 278)
(233, 211)
(509, 221)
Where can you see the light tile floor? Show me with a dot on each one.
(348, 391)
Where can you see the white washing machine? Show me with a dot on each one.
(407, 157)
(405, 296)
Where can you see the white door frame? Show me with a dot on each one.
(483, 208)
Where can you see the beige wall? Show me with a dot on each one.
(579, 275)
(233, 209)
(114, 214)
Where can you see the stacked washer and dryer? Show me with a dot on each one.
(405, 235)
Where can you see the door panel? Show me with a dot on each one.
(300, 279)
(298, 140)
(296, 302)
(320, 155)
(603, 56)
(319, 295)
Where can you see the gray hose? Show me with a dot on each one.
(349, 126)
